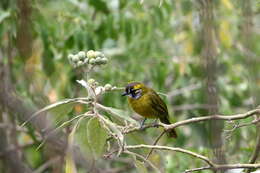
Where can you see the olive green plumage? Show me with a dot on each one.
(147, 103)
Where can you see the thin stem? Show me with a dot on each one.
(155, 142)
(144, 160)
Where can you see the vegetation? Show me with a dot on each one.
(64, 65)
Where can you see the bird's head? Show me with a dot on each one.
(135, 90)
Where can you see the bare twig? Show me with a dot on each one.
(211, 166)
(235, 166)
(237, 125)
(144, 159)
(225, 166)
(197, 169)
(155, 142)
(212, 117)
(199, 119)
(157, 147)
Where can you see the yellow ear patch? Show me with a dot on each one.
(138, 86)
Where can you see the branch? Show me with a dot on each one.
(157, 147)
(225, 166)
(235, 166)
(197, 169)
(211, 166)
(212, 117)
(199, 119)
(236, 126)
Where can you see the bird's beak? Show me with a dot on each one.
(124, 94)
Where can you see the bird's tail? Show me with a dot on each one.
(171, 133)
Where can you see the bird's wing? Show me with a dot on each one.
(158, 104)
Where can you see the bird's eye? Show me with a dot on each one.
(135, 91)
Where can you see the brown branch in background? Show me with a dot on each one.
(15, 148)
(252, 65)
(209, 58)
(11, 161)
(256, 150)
(24, 28)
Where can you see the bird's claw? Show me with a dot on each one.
(142, 124)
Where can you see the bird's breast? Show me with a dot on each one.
(142, 106)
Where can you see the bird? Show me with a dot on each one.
(147, 103)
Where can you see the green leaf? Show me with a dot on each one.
(56, 106)
(128, 29)
(61, 110)
(4, 15)
(48, 55)
(186, 6)
(122, 3)
(33, 158)
(70, 166)
(118, 113)
(99, 5)
(70, 42)
(81, 138)
(96, 136)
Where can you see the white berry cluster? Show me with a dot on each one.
(91, 57)
(107, 87)
(98, 89)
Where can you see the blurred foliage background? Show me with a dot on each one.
(157, 42)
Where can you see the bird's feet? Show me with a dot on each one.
(142, 124)
(155, 123)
